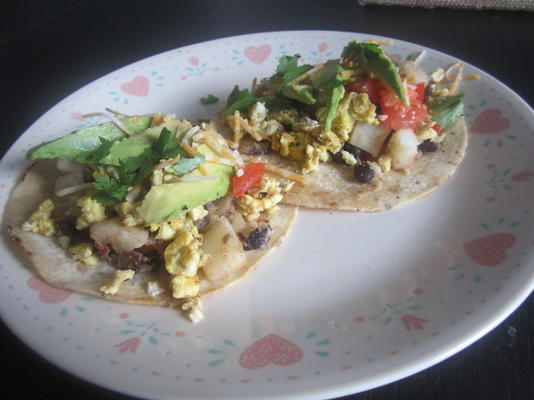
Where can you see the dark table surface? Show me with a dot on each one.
(50, 49)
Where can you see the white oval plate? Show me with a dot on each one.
(349, 301)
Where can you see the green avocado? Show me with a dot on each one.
(135, 145)
(168, 201)
(301, 93)
(81, 144)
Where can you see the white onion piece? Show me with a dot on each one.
(369, 138)
(402, 148)
(66, 165)
(68, 180)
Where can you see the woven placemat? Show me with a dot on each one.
(526, 5)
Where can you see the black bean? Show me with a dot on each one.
(363, 172)
(253, 148)
(337, 158)
(428, 146)
(131, 260)
(258, 238)
(355, 151)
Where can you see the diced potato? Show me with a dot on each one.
(402, 148)
(369, 138)
(122, 238)
(225, 249)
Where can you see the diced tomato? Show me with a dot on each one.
(400, 116)
(437, 127)
(370, 86)
(252, 174)
(420, 90)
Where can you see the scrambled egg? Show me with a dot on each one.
(84, 252)
(193, 307)
(41, 221)
(185, 286)
(384, 162)
(127, 210)
(262, 199)
(302, 138)
(183, 258)
(120, 277)
(425, 132)
(92, 211)
(352, 108)
(168, 230)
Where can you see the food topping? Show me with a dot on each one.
(257, 238)
(41, 220)
(84, 252)
(262, 199)
(91, 211)
(154, 289)
(121, 276)
(363, 172)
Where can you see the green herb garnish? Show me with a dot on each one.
(446, 110)
(372, 58)
(209, 99)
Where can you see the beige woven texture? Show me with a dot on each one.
(526, 5)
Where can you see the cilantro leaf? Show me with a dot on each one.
(166, 146)
(210, 99)
(285, 63)
(239, 100)
(108, 190)
(186, 165)
(446, 110)
(331, 75)
(371, 57)
(134, 169)
(294, 72)
(101, 152)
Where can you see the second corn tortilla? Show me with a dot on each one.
(333, 186)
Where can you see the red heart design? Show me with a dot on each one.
(490, 121)
(258, 54)
(270, 349)
(490, 250)
(138, 86)
(48, 294)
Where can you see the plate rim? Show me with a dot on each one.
(335, 390)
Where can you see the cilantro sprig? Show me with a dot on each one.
(132, 170)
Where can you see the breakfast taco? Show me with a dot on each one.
(146, 209)
(369, 133)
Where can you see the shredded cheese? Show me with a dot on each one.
(203, 170)
(380, 42)
(284, 173)
(112, 118)
(219, 160)
(237, 127)
(73, 189)
(472, 77)
(188, 149)
(308, 73)
(198, 178)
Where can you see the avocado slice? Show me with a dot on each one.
(80, 144)
(168, 201)
(132, 146)
(301, 93)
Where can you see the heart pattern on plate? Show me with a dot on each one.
(138, 86)
(270, 349)
(490, 250)
(48, 294)
(490, 121)
(258, 54)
